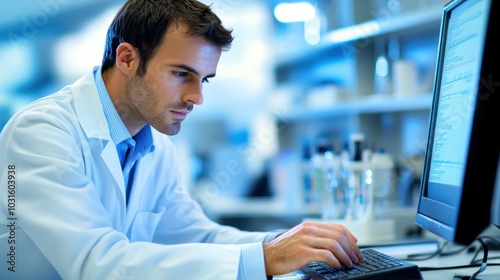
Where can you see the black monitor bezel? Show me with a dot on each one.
(472, 214)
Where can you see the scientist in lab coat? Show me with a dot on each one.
(89, 182)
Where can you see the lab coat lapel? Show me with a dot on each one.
(93, 121)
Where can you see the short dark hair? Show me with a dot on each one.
(143, 24)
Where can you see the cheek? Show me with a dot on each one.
(145, 97)
(154, 83)
(153, 86)
(161, 95)
(158, 94)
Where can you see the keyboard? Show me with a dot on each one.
(376, 265)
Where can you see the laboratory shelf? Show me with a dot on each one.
(364, 105)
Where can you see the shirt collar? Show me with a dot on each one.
(117, 128)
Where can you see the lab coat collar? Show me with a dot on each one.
(90, 113)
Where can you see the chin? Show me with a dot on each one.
(170, 129)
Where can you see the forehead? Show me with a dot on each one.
(177, 47)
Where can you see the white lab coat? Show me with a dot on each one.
(69, 209)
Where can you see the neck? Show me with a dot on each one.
(116, 84)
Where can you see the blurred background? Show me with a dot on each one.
(299, 74)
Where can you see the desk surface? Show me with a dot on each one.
(453, 260)
(464, 258)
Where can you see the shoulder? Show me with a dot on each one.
(58, 103)
(53, 108)
(54, 114)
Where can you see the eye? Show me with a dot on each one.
(181, 74)
(205, 80)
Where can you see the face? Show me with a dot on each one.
(173, 81)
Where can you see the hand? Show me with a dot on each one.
(311, 241)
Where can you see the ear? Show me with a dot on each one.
(127, 59)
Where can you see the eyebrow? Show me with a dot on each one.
(192, 70)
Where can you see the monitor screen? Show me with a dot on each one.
(462, 149)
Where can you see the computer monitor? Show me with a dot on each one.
(462, 155)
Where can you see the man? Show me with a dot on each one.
(89, 181)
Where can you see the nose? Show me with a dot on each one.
(194, 94)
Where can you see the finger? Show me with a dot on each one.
(332, 252)
(352, 250)
(347, 245)
(330, 259)
(345, 256)
(336, 238)
(351, 247)
(342, 235)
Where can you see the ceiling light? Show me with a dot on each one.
(294, 12)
